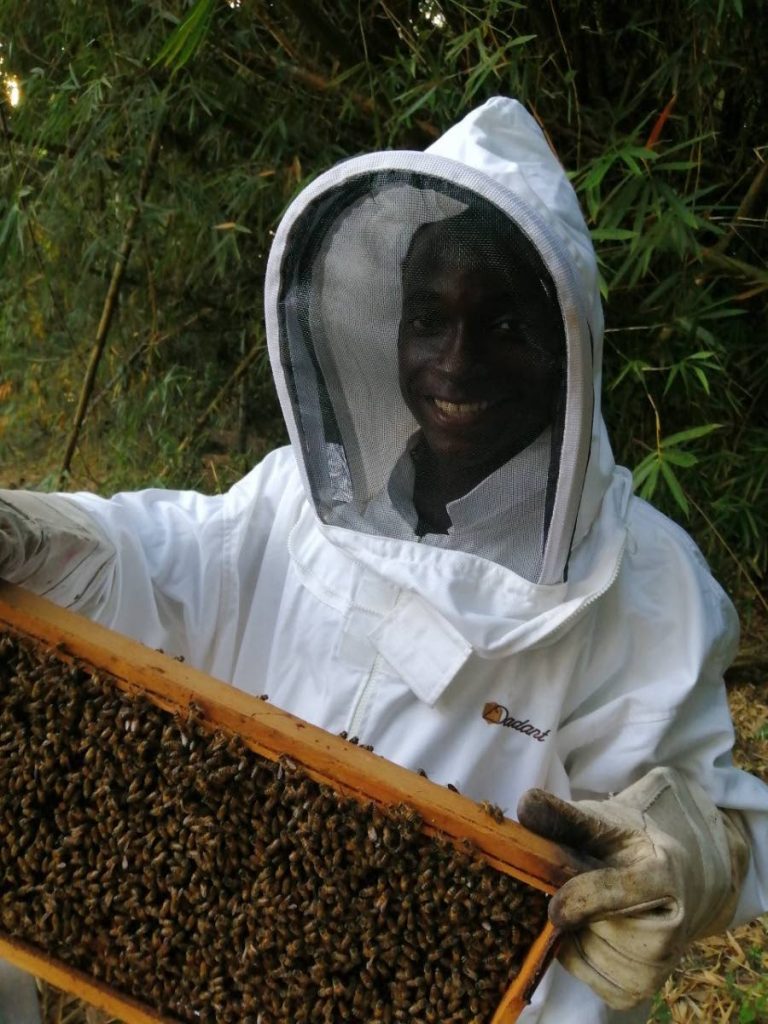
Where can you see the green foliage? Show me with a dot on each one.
(186, 40)
(658, 466)
(658, 110)
(752, 1002)
(660, 1012)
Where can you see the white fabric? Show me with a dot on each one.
(586, 459)
(18, 996)
(443, 660)
(500, 515)
(502, 139)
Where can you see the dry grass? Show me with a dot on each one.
(58, 1008)
(721, 981)
(724, 980)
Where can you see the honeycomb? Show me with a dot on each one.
(178, 867)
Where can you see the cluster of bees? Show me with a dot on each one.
(180, 868)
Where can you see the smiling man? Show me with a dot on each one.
(481, 357)
(446, 561)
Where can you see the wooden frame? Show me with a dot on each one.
(273, 733)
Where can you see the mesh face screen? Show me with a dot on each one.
(425, 358)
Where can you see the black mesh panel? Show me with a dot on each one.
(424, 351)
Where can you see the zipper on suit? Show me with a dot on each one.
(567, 623)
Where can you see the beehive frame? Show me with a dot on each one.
(273, 733)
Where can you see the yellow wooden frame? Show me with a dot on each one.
(274, 733)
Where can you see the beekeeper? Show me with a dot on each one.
(446, 562)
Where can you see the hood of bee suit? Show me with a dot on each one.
(335, 294)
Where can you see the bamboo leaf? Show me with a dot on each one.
(678, 458)
(703, 379)
(648, 487)
(185, 41)
(692, 434)
(643, 470)
(674, 487)
(611, 234)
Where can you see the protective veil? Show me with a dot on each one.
(560, 634)
(353, 251)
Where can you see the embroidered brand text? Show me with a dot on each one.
(497, 714)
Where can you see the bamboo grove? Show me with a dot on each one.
(149, 147)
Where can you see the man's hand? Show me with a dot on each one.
(674, 868)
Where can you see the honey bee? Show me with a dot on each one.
(492, 810)
(164, 873)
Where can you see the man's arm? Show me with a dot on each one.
(166, 567)
(646, 740)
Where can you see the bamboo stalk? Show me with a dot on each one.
(736, 267)
(152, 342)
(237, 374)
(746, 206)
(110, 301)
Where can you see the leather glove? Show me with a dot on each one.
(674, 868)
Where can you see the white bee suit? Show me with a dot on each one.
(579, 681)
(18, 996)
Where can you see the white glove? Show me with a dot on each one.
(674, 868)
(50, 545)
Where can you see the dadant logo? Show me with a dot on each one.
(497, 714)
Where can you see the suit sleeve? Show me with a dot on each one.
(651, 689)
(158, 565)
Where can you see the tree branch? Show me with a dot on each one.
(736, 267)
(745, 209)
(153, 341)
(209, 410)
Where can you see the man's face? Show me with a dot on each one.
(479, 358)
